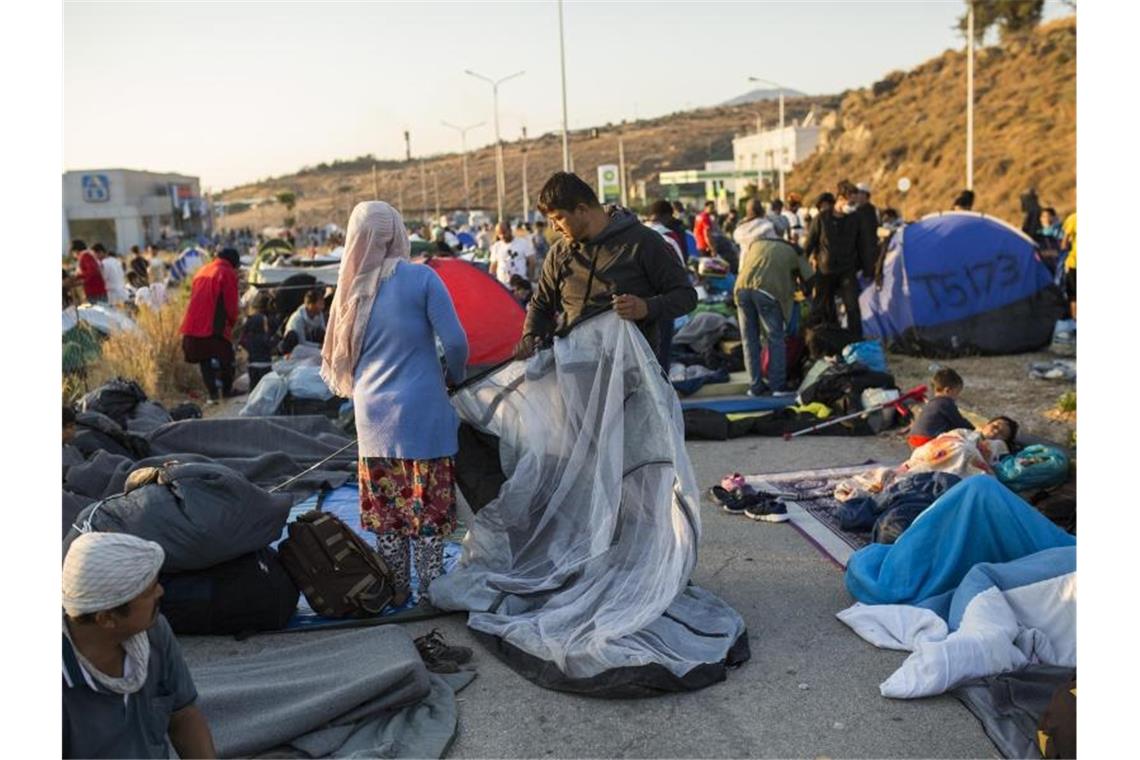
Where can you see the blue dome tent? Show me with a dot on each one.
(960, 283)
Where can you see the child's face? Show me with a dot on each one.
(998, 429)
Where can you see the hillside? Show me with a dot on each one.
(681, 140)
(909, 124)
(913, 124)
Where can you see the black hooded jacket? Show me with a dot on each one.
(626, 258)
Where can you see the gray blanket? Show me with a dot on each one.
(267, 451)
(363, 693)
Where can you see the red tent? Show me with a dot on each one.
(491, 317)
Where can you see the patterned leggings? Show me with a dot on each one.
(394, 548)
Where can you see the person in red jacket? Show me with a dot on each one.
(90, 273)
(207, 328)
(702, 229)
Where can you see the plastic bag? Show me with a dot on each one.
(868, 353)
(305, 382)
(266, 397)
(1034, 467)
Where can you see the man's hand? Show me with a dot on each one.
(631, 307)
(526, 347)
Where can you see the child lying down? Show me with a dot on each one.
(959, 452)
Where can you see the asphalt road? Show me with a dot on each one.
(810, 689)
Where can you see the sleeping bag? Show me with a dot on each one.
(200, 514)
(978, 520)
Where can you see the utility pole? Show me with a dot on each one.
(621, 169)
(567, 165)
(375, 187)
(783, 136)
(526, 195)
(423, 186)
(463, 142)
(970, 97)
(400, 191)
(407, 145)
(435, 185)
(500, 172)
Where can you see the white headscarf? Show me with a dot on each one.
(100, 572)
(375, 242)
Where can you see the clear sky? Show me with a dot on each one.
(234, 92)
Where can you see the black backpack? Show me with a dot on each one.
(245, 595)
(339, 574)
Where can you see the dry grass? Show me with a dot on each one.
(151, 355)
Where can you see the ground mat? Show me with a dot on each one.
(812, 506)
(344, 502)
(577, 571)
(734, 404)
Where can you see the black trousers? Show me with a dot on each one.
(215, 359)
(846, 286)
(255, 375)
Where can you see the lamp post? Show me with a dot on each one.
(783, 146)
(565, 121)
(525, 194)
(463, 142)
(500, 176)
(970, 97)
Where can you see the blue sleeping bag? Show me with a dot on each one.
(978, 520)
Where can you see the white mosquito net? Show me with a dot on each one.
(582, 562)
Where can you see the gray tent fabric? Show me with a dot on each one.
(363, 693)
(1010, 705)
(208, 514)
(578, 571)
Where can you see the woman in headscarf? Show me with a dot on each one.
(380, 349)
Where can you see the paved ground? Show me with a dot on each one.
(810, 690)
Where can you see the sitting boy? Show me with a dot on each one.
(940, 415)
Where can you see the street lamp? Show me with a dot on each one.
(463, 141)
(783, 148)
(500, 177)
(565, 122)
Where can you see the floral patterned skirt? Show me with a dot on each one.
(411, 497)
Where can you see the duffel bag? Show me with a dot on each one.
(245, 595)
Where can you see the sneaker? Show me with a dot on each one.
(767, 510)
(731, 501)
(438, 656)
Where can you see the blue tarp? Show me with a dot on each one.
(344, 502)
(950, 268)
(978, 520)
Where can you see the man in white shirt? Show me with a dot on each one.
(113, 276)
(779, 221)
(511, 255)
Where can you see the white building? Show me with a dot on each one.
(122, 207)
(765, 151)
